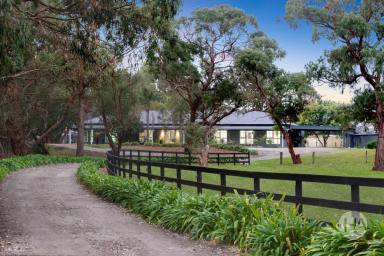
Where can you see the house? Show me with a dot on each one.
(252, 129)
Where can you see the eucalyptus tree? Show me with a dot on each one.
(197, 63)
(81, 28)
(33, 102)
(270, 89)
(117, 100)
(363, 107)
(356, 29)
(323, 113)
(149, 96)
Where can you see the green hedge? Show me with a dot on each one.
(11, 164)
(237, 148)
(240, 220)
(372, 144)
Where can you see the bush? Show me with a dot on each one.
(334, 241)
(11, 164)
(372, 144)
(237, 219)
(231, 147)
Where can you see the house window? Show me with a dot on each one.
(246, 137)
(221, 136)
(273, 137)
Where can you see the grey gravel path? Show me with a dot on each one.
(45, 211)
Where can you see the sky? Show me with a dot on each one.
(297, 43)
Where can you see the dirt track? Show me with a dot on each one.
(44, 211)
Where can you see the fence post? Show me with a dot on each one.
(355, 198)
(281, 157)
(130, 154)
(199, 181)
(162, 172)
(299, 193)
(249, 158)
(130, 170)
(124, 164)
(218, 158)
(149, 171)
(256, 185)
(177, 158)
(313, 157)
(138, 155)
(234, 158)
(138, 170)
(189, 158)
(162, 157)
(149, 155)
(223, 183)
(178, 178)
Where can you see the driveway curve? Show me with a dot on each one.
(45, 211)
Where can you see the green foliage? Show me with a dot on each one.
(334, 241)
(372, 144)
(284, 233)
(363, 108)
(193, 65)
(231, 147)
(194, 136)
(11, 164)
(232, 219)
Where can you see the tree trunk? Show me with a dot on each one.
(287, 137)
(80, 127)
(379, 156)
(147, 112)
(204, 156)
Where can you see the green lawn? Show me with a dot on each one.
(346, 163)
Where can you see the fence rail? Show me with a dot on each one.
(122, 165)
(186, 158)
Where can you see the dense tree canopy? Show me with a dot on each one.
(82, 39)
(323, 113)
(197, 63)
(270, 89)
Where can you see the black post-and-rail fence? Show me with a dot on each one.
(124, 165)
(187, 158)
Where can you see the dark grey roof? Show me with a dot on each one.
(249, 118)
(156, 117)
(254, 120)
(316, 128)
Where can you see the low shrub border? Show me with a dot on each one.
(261, 227)
(11, 164)
(239, 220)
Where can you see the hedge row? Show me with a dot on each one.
(11, 164)
(259, 226)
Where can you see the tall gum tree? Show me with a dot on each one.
(197, 64)
(356, 29)
(270, 89)
(85, 26)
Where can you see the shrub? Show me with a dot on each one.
(231, 147)
(283, 233)
(372, 144)
(236, 219)
(11, 164)
(334, 241)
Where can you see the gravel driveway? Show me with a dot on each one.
(45, 211)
